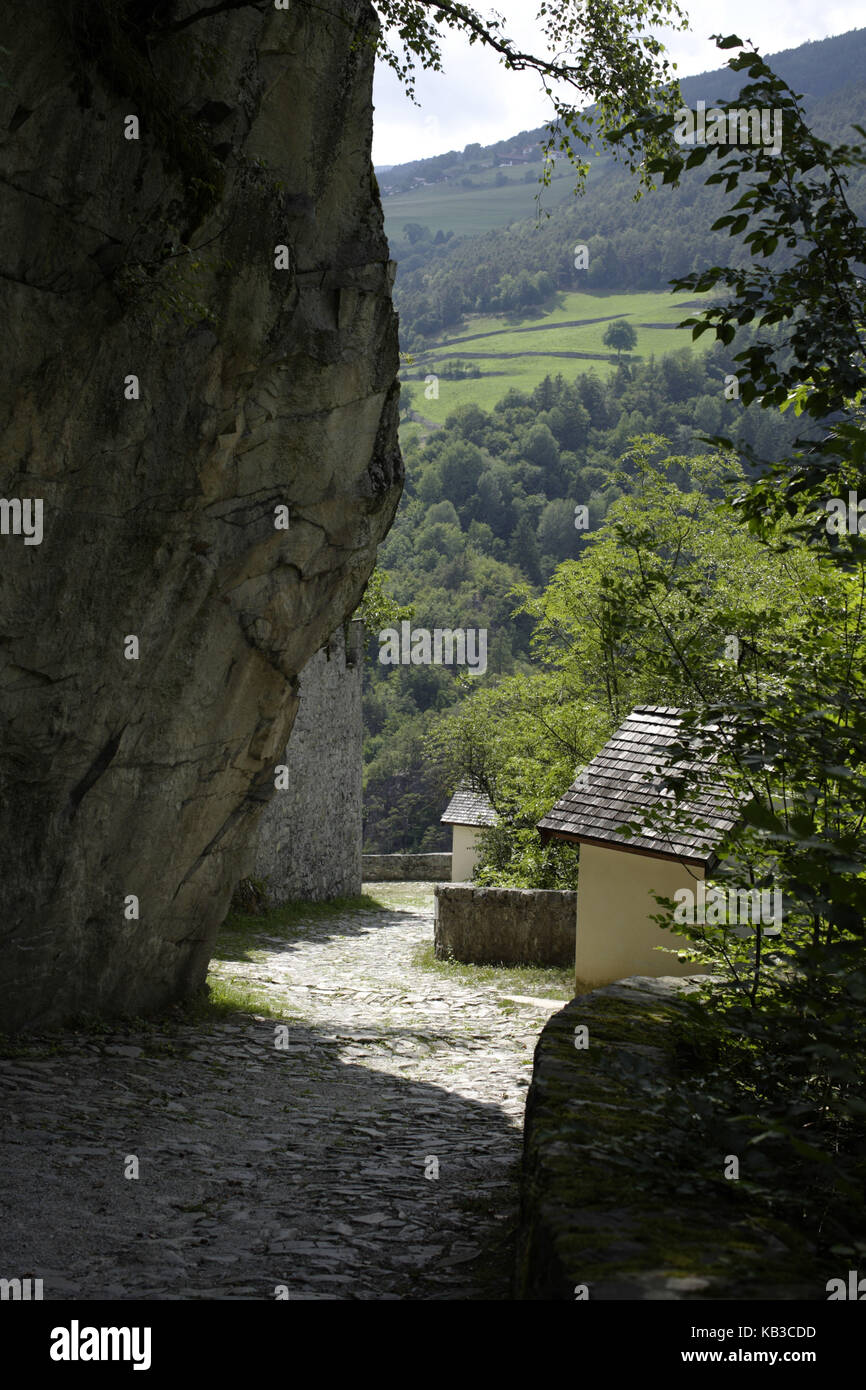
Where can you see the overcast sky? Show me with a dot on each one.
(476, 99)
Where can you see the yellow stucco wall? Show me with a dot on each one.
(615, 937)
(464, 852)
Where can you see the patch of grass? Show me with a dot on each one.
(10, 1048)
(498, 377)
(83, 1027)
(228, 998)
(466, 212)
(656, 306)
(221, 1001)
(393, 896)
(240, 934)
(547, 982)
(499, 346)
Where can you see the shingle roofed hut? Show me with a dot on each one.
(468, 811)
(620, 870)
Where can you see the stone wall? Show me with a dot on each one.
(310, 832)
(199, 386)
(406, 868)
(606, 1213)
(515, 926)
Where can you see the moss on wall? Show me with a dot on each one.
(619, 1194)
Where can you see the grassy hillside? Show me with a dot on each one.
(467, 211)
(816, 69)
(533, 417)
(519, 352)
(464, 249)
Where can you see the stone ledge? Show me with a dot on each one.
(598, 1208)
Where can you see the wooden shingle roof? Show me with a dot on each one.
(615, 788)
(468, 807)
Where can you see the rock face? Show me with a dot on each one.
(310, 832)
(198, 333)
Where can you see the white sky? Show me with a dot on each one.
(476, 99)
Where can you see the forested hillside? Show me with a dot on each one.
(631, 246)
(489, 504)
(496, 471)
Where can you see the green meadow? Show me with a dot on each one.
(469, 211)
(512, 352)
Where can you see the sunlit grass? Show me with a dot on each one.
(467, 212)
(240, 934)
(546, 982)
(547, 335)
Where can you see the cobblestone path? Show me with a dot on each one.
(303, 1154)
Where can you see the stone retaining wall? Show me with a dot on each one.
(309, 838)
(610, 1208)
(514, 926)
(406, 868)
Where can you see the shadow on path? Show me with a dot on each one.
(257, 1166)
(240, 935)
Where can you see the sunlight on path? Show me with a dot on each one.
(358, 1137)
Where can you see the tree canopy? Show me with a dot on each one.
(620, 336)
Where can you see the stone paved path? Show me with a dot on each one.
(311, 1165)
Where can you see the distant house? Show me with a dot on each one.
(467, 813)
(618, 871)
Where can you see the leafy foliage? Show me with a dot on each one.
(378, 608)
(632, 247)
(818, 297)
(605, 51)
(489, 507)
(789, 1024)
(620, 336)
(714, 583)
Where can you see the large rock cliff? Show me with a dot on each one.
(172, 380)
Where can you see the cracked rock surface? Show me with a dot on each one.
(166, 388)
